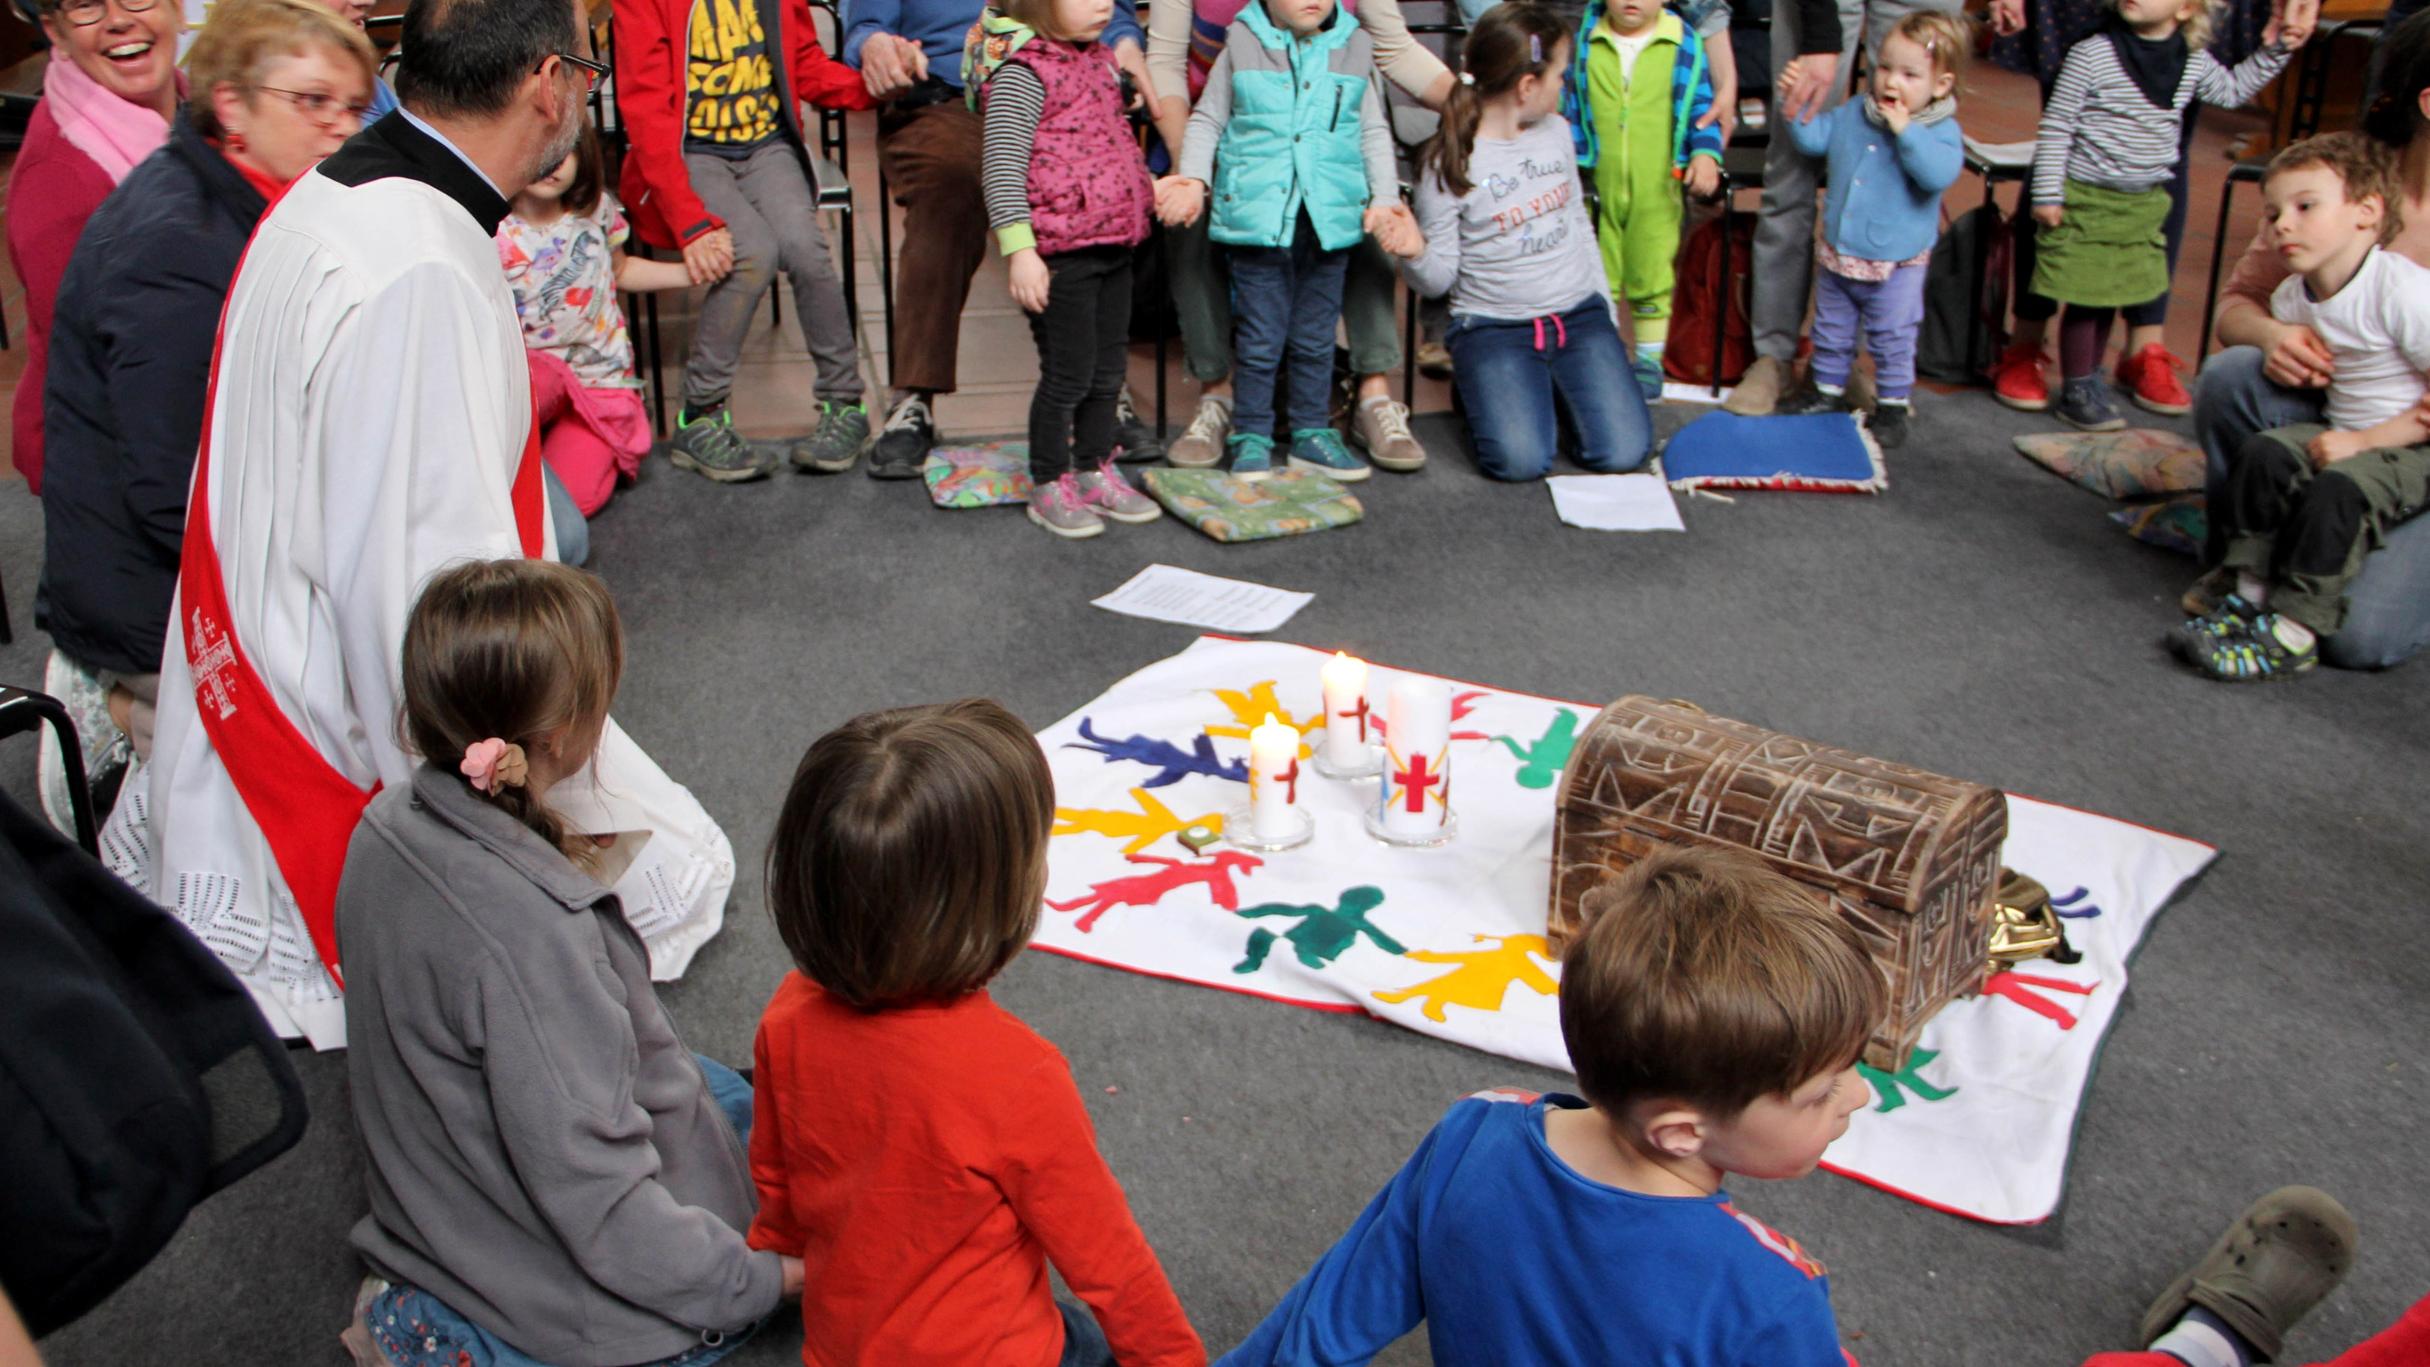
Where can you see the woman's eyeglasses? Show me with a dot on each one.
(86, 13)
(321, 109)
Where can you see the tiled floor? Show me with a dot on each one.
(773, 390)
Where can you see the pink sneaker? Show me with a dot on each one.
(1105, 490)
(1060, 507)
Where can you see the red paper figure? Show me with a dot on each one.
(2018, 988)
(1461, 705)
(1147, 889)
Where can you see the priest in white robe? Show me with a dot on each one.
(369, 422)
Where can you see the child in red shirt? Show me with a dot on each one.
(921, 1150)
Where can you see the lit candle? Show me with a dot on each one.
(1417, 760)
(1345, 680)
(1273, 780)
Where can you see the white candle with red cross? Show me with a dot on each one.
(1273, 780)
(1417, 757)
(1345, 681)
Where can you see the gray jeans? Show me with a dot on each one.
(1784, 227)
(2388, 602)
(768, 204)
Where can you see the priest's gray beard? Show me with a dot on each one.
(560, 143)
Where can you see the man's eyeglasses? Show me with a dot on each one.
(592, 72)
(321, 109)
(86, 13)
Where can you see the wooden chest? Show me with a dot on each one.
(1911, 859)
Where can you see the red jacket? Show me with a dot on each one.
(54, 189)
(652, 47)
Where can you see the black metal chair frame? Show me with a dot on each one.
(23, 710)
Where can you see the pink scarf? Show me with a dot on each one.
(115, 133)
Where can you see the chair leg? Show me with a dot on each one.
(848, 260)
(658, 370)
(1164, 272)
(2210, 296)
(885, 207)
(1721, 315)
(1409, 338)
(8, 634)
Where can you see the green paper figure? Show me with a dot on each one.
(1322, 933)
(1887, 1085)
(1542, 762)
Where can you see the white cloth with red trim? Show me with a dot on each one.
(371, 413)
(1449, 941)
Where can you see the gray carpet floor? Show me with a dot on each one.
(1982, 619)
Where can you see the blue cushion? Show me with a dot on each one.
(1817, 452)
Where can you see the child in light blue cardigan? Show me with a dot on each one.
(1888, 157)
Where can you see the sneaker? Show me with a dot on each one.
(1888, 423)
(2085, 404)
(831, 447)
(2231, 616)
(1320, 449)
(2258, 654)
(1135, 443)
(1434, 360)
(2150, 376)
(910, 431)
(1060, 507)
(1758, 391)
(1381, 428)
(709, 445)
(1252, 456)
(2266, 1271)
(2016, 379)
(2206, 594)
(1810, 399)
(1112, 496)
(1649, 376)
(1202, 445)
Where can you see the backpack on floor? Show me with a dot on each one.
(1966, 298)
(1703, 297)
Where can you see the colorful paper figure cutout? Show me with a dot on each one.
(1148, 889)
(1322, 934)
(1151, 823)
(1888, 1086)
(2018, 988)
(1483, 977)
(2065, 908)
(1542, 762)
(1461, 705)
(1253, 707)
(1171, 762)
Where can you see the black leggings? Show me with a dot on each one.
(1083, 346)
(2034, 308)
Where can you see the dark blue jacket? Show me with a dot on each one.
(123, 410)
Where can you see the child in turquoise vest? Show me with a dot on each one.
(1639, 89)
(1291, 133)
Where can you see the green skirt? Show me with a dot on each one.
(2108, 252)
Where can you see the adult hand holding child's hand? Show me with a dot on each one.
(1806, 84)
(891, 65)
(1179, 199)
(1395, 229)
(2298, 359)
(1030, 280)
(709, 257)
(1703, 177)
(793, 1275)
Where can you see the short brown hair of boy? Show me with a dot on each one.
(1946, 38)
(910, 856)
(1706, 977)
(2363, 166)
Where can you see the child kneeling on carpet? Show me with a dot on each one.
(1068, 196)
(1508, 237)
(1888, 159)
(2109, 143)
(924, 1152)
(2302, 506)
(1714, 1011)
(1306, 170)
(562, 244)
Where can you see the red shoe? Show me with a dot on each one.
(2017, 380)
(2151, 376)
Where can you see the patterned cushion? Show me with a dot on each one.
(977, 476)
(1228, 509)
(2134, 463)
(2176, 524)
(1829, 453)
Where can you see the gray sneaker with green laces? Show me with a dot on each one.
(710, 446)
(832, 447)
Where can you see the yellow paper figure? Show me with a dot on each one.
(1483, 977)
(1151, 823)
(1254, 706)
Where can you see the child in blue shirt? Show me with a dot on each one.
(1714, 1011)
(1887, 157)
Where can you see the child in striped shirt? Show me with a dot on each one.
(2101, 167)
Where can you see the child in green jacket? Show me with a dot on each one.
(1639, 90)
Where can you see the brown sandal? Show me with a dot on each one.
(2286, 1252)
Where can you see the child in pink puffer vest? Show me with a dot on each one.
(1068, 196)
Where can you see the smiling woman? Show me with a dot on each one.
(106, 101)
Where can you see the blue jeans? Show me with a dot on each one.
(1285, 301)
(1890, 313)
(2388, 604)
(413, 1329)
(573, 532)
(1509, 375)
(1084, 1343)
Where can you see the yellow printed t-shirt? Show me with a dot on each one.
(732, 88)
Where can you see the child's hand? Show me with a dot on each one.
(2007, 18)
(1703, 177)
(1894, 114)
(1394, 229)
(2291, 23)
(1029, 280)
(793, 1275)
(2331, 447)
(710, 256)
(2049, 215)
(1179, 200)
